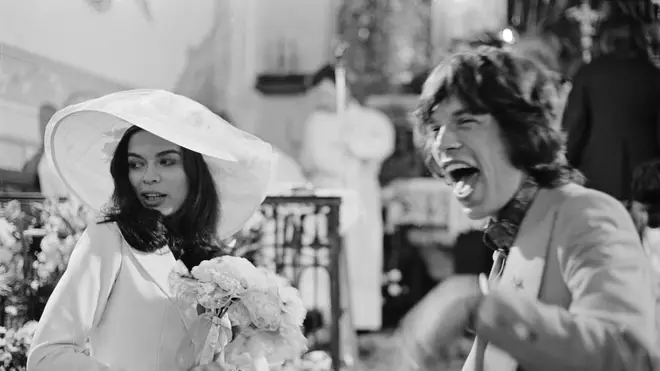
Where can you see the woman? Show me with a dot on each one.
(570, 288)
(183, 180)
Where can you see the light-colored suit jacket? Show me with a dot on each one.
(117, 296)
(575, 294)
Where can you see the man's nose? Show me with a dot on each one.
(445, 140)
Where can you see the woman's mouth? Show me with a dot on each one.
(152, 199)
(463, 178)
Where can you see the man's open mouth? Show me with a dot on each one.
(463, 177)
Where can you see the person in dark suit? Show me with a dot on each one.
(612, 114)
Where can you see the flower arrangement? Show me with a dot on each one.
(63, 224)
(36, 241)
(14, 345)
(265, 312)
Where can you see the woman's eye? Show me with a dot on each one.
(134, 165)
(167, 162)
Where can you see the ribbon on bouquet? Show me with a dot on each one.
(214, 338)
(207, 334)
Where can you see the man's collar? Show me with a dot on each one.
(501, 232)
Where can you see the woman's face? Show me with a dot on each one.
(155, 170)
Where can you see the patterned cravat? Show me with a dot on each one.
(499, 235)
(501, 232)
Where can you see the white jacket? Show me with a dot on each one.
(119, 298)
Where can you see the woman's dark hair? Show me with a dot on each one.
(190, 232)
(521, 95)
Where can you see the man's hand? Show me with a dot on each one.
(439, 318)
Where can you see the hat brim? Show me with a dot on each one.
(80, 141)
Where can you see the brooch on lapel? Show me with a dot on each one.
(518, 283)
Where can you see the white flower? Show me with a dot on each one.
(67, 246)
(265, 308)
(26, 333)
(231, 275)
(50, 244)
(11, 310)
(293, 306)
(7, 233)
(239, 315)
(6, 254)
(204, 271)
(13, 210)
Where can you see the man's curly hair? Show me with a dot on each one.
(522, 96)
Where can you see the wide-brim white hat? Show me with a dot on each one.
(80, 141)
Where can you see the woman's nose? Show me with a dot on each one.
(151, 176)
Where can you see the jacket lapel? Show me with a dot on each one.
(525, 264)
(157, 266)
(524, 269)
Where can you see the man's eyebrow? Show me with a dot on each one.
(462, 112)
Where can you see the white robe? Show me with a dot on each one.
(349, 154)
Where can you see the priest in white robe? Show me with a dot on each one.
(347, 152)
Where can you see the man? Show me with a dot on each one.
(570, 287)
(347, 153)
(612, 114)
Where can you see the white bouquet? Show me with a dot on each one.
(247, 316)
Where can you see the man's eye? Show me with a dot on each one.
(465, 121)
(433, 127)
